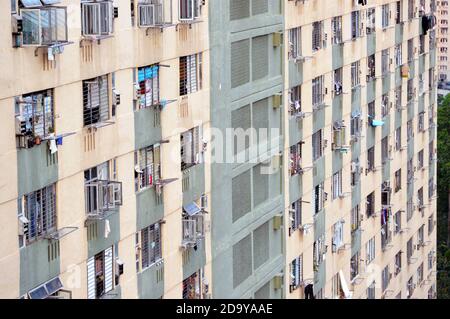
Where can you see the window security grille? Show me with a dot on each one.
(147, 167)
(371, 159)
(385, 16)
(354, 266)
(370, 204)
(336, 28)
(100, 274)
(370, 21)
(339, 136)
(193, 286)
(398, 263)
(294, 43)
(295, 163)
(317, 145)
(398, 55)
(151, 245)
(148, 86)
(296, 273)
(319, 251)
(190, 73)
(151, 13)
(295, 216)
(97, 18)
(39, 210)
(370, 67)
(193, 229)
(338, 236)
(318, 198)
(191, 147)
(337, 185)
(318, 91)
(295, 96)
(356, 124)
(385, 62)
(385, 278)
(95, 100)
(318, 36)
(356, 171)
(370, 250)
(337, 81)
(355, 218)
(34, 117)
(356, 25)
(355, 74)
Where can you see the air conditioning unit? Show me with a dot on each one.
(16, 24)
(23, 225)
(277, 282)
(116, 97)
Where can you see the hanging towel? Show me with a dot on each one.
(52, 144)
(107, 228)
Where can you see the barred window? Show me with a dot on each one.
(147, 170)
(317, 36)
(96, 100)
(190, 73)
(151, 245)
(336, 28)
(317, 146)
(296, 272)
(318, 90)
(355, 25)
(148, 86)
(295, 43)
(385, 16)
(295, 216)
(355, 73)
(385, 61)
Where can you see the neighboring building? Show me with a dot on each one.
(443, 40)
(113, 185)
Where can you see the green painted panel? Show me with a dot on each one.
(371, 43)
(386, 84)
(371, 90)
(398, 33)
(356, 194)
(196, 181)
(337, 108)
(319, 171)
(295, 188)
(194, 258)
(35, 266)
(386, 128)
(295, 73)
(151, 281)
(432, 58)
(296, 130)
(421, 63)
(320, 277)
(116, 293)
(338, 56)
(36, 169)
(319, 224)
(149, 208)
(398, 76)
(387, 171)
(99, 243)
(356, 98)
(356, 241)
(318, 119)
(147, 131)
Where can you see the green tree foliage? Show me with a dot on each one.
(443, 175)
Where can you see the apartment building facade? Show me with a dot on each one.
(218, 149)
(442, 41)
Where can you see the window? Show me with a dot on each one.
(147, 169)
(296, 272)
(411, 9)
(97, 18)
(336, 28)
(190, 73)
(95, 100)
(370, 250)
(338, 236)
(431, 152)
(355, 172)
(339, 136)
(150, 12)
(370, 67)
(151, 245)
(421, 44)
(385, 106)
(295, 98)
(398, 12)
(295, 216)
(410, 286)
(193, 286)
(398, 138)
(318, 198)
(355, 74)
(420, 199)
(317, 146)
(411, 91)
(397, 222)
(356, 123)
(420, 274)
(295, 43)
(356, 218)
(431, 188)
(193, 224)
(356, 25)
(337, 81)
(371, 291)
(148, 83)
(337, 185)
(421, 122)
(398, 263)
(409, 250)
(385, 12)
(398, 55)
(409, 130)
(102, 194)
(354, 266)
(370, 28)
(385, 149)
(37, 215)
(410, 50)
(295, 163)
(371, 159)
(386, 222)
(189, 9)
(371, 110)
(318, 91)
(420, 236)
(191, 147)
(421, 85)
(45, 26)
(430, 260)
(318, 36)
(410, 170)
(100, 274)
(370, 204)
(34, 118)
(420, 160)
(385, 278)
(385, 61)
(409, 209)
(398, 180)
(319, 252)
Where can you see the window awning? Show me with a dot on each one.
(192, 209)
(31, 3)
(47, 289)
(348, 294)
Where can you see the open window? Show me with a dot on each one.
(356, 218)
(150, 252)
(295, 43)
(195, 286)
(318, 36)
(319, 252)
(386, 227)
(148, 86)
(191, 73)
(339, 137)
(97, 18)
(295, 159)
(338, 236)
(295, 101)
(296, 273)
(193, 225)
(34, 118)
(102, 194)
(147, 171)
(191, 147)
(100, 274)
(370, 67)
(295, 216)
(38, 23)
